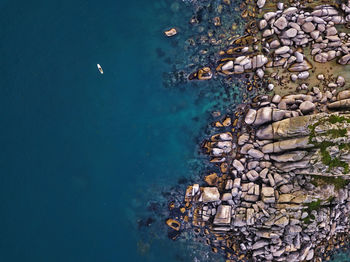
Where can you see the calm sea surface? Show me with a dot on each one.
(86, 159)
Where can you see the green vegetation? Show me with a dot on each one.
(334, 133)
(344, 146)
(308, 220)
(338, 182)
(330, 199)
(314, 205)
(337, 119)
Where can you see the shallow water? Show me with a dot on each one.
(86, 158)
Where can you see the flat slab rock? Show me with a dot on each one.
(223, 215)
(210, 194)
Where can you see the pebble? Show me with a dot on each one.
(320, 77)
(340, 81)
(303, 75)
(261, 3)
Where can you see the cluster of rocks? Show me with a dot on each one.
(285, 31)
(283, 192)
(284, 34)
(267, 199)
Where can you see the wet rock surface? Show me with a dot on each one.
(282, 190)
(284, 194)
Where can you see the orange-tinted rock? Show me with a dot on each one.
(227, 121)
(170, 32)
(205, 73)
(188, 194)
(224, 168)
(171, 205)
(217, 21)
(174, 224)
(211, 179)
(218, 124)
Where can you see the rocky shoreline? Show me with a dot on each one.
(282, 191)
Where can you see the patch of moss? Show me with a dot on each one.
(337, 119)
(338, 182)
(330, 199)
(344, 146)
(307, 220)
(314, 205)
(327, 159)
(334, 133)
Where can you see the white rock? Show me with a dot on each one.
(307, 106)
(250, 116)
(260, 244)
(290, 11)
(344, 59)
(210, 194)
(238, 165)
(321, 57)
(303, 75)
(331, 31)
(299, 56)
(319, 20)
(227, 66)
(243, 139)
(315, 34)
(270, 87)
(195, 189)
(275, 44)
(340, 81)
(321, 27)
(261, 3)
(269, 15)
(281, 23)
(320, 77)
(255, 153)
(267, 33)
(276, 99)
(280, 6)
(282, 50)
(263, 115)
(259, 61)
(260, 73)
(308, 27)
(217, 151)
(237, 182)
(252, 175)
(238, 69)
(291, 32)
(331, 55)
(262, 24)
(295, 25)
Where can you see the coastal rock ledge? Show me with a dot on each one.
(283, 192)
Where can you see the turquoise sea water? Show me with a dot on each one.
(87, 159)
